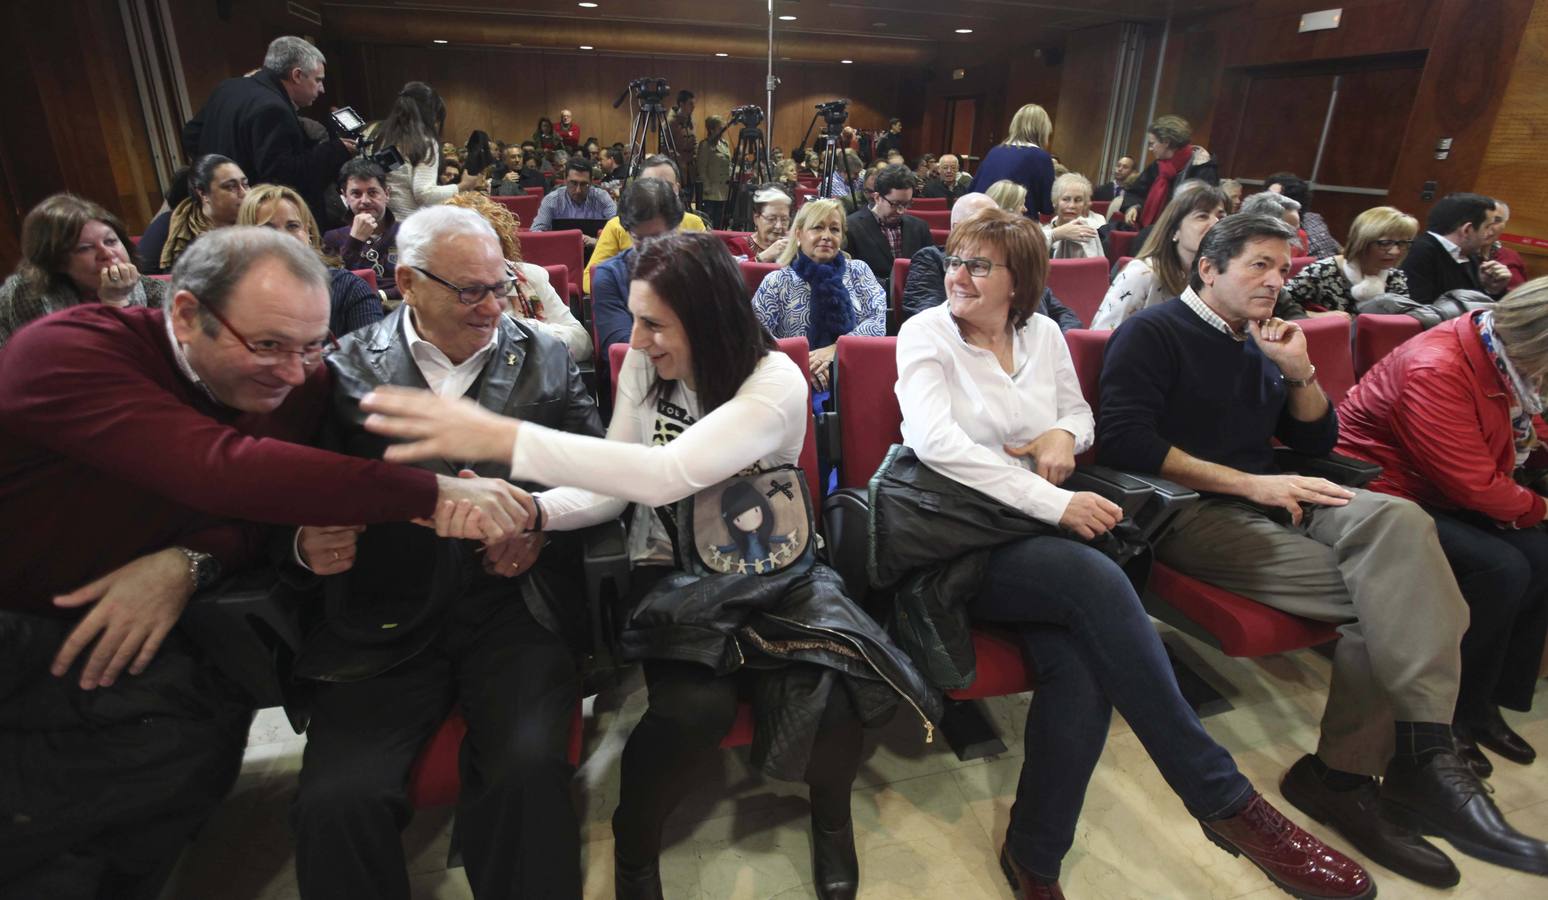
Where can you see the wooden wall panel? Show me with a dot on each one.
(1516, 143)
(216, 41)
(1085, 89)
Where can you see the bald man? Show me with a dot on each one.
(926, 284)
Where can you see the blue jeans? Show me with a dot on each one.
(1503, 574)
(1092, 648)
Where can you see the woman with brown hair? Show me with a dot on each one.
(1160, 271)
(352, 302)
(73, 252)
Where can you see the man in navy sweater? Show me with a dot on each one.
(1193, 390)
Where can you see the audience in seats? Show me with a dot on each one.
(615, 236)
(1113, 188)
(370, 240)
(414, 127)
(579, 199)
(1072, 233)
(1233, 189)
(926, 284)
(886, 232)
(821, 293)
(649, 208)
(785, 170)
(568, 131)
(712, 163)
(608, 172)
(1378, 239)
(1194, 390)
(1177, 160)
(1278, 206)
(1446, 257)
(254, 121)
(771, 219)
(451, 174)
(702, 396)
(511, 177)
(1009, 196)
(1021, 158)
(1453, 418)
(533, 301)
(486, 628)
(171, 432)
(545, 138)
(1319, 240)
(848, 173)
(275, 206)
(948, 181)
(213, 188)
(1160, 272)
(1502, 254)
(990, 399)
(73, 252)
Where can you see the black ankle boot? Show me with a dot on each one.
(835, 868)
(636, 882)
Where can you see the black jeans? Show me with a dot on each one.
(1092, 647)
(1503, 574)
(517, 687)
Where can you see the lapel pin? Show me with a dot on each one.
(510, 359)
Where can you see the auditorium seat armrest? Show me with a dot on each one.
(1149, 500)
(249, 626)
(846, 535)
(1335, 467)
(605, 562)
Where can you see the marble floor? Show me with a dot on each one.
(928, 825)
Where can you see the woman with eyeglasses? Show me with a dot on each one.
(990, 399)
(351, 300)
(771, 218)
(1379, 238)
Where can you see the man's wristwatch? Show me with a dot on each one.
(203, 569)
(1311, 378)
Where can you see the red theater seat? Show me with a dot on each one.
(939, 236)
(1079, 283)
(935, 218)
(1120, 243)
(930, 203)
(1376, 336)
(525, 206)
(753, 274)
(1297, 263)
(534, 191)
(727, 236)
(368, 276)
(899, 279)
(1327, 343)
(435, 779)
(1100, 207)
(556, 248)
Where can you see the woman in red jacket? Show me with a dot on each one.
(1452, 416)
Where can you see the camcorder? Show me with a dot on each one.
(351, 125)
(651, 89)
(834, 112)
(750, 116)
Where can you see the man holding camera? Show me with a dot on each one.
(254, 121)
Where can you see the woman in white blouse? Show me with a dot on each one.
(1160, 271)
(702, 395)
(414, 127)
(990, 398)
(1072, 233)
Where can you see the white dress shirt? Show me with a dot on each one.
(445, 378)
(960, 408)
(1453, 249)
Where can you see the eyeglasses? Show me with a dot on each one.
(977, 266)
(270, 353)
(895, 204)
(1389, 243)
(473, 294)
(782, 221)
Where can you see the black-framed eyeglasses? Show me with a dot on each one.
(976, 266)
(270, 353)
(1389, 243)
(473, 294)
(895, 204)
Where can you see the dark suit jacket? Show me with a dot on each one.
(403, 574)
(1431, 271)
(1105, 191)
(864, 240)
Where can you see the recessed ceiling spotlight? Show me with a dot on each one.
(587, 5)
(587, 47)
(878, 24)
(964, 31)
(847, 62)
(439, 41)
(787, 18)
(722, 54)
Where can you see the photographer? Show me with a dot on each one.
(254, 122)
(414, 128)
(713, 161)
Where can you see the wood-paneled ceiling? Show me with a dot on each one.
(894, 32)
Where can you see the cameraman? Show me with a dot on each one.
(713, 162)
(253, 120)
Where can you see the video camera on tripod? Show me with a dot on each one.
(650, 90)
(352, 126)
(749, 116)
(835, 113)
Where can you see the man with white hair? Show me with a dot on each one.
(926, 284)
(486, 627)
(949, 181)
(254, 121)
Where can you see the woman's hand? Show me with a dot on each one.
(1132, 215)
(1074, 231)
(775, 249)
(820, 364)
(116, 283)
(1090, 515)
(444, 427)
(1052, 454)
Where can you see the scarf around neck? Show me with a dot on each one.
(1526, 402)
(1167, 171)
(832, 313)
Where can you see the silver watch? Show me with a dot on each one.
(203, 569)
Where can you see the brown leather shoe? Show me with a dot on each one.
(1022, 882)
(1291, 857)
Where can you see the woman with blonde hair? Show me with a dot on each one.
(1379, 238)
(1009, 196)
(352, 302)
(1022, 158)
(534, 302)
(1072, 233)
(1160, 271)
(821, 293)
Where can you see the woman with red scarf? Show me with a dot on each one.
(1177, 160)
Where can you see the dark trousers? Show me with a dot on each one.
(1093, 648)
(101, 790)
(1503, 574)
(517, 687)
(712, 211)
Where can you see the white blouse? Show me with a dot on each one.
(557, 319)
(1092, 247)
(960, 408)
(410, 187)
(1135, 288)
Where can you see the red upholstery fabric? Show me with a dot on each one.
(1080, 284)
(1376, 336)
(935, 218)
(368, 276)
(534, 191)
(1297, 263)
(559, 277)
(726, 236)
(1120, 243)
(525, 207)
(899, 278)
(555, 248)
(434, 779)
(931, 203)
(1327, 343)
(939, 236)
(869, 418)
(1086, 349)
(1000, 668)
(1100, 207)
(1123, 263)
(753, 274)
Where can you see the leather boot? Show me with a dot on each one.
(1443, 796)
(1296, 861)
(1356, 815)
(1498, 737)
(1467, 748)
(835, 868)
(641, 883)
(1022, 882)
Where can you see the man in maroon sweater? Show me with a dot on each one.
(134, 449)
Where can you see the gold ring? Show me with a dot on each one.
(336, 556)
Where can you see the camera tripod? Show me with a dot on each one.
(834, 115)
(650, 117)
(738, 207)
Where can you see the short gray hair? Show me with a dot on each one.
(213, 265)
(288, 52)
(1225, 241)
(430, 225)
(1268, 203)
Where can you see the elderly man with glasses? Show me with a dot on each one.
(489, 628)
(138, 444)
(885, 232)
